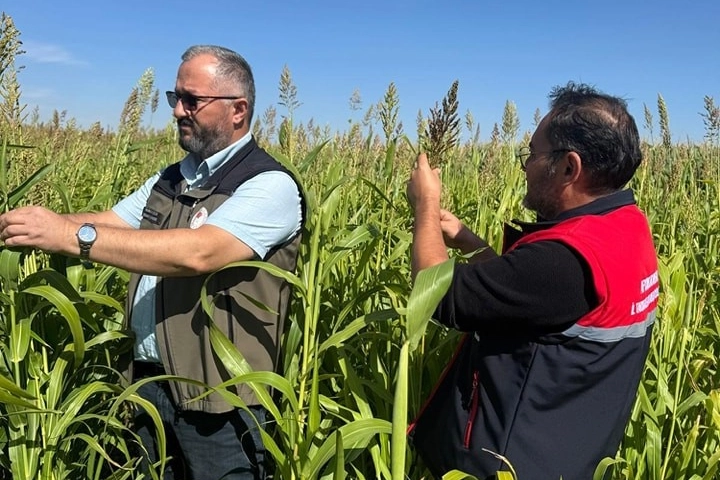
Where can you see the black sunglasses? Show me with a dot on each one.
(190, 102)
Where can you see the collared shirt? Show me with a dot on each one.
(247, 214)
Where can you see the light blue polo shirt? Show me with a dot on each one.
(263, 212)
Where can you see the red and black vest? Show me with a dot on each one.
(553, 404)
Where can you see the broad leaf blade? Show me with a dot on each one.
(430, 286)
(356, 435)
(68, 312)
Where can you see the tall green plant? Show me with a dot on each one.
(57, 373)
(60, 338)
(430, 286)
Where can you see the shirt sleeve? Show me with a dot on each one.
(537, 288)
(131, 207)
(263, 212)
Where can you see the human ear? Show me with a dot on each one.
(240, 109)
(573, 166)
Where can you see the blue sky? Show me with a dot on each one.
(86, 56)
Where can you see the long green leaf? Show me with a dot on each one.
(458, 475)
(399, 415)
(73, 404)
(56, 280)
(379, 192)
(339, 338)
(605, 466)
(235, 363)
(93, 443)
(62, 191)
(7, 399)
(346, 246)
(270, 379)
(102, 299)
(9, 385)
(19, 192)
(356, 434)
(390, 159)
(104, 337)
(311, 157)
(154, 415)
(431, 284)
(20, 340)
(274, 270)
(4, 173)
(58, 379)
(339, 458)
(10, 261)
(69, 313)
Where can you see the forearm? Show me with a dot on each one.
(108, 218)
(428, 248)
(83, 217)
(168, 253)
(173, 252)
(118, 244)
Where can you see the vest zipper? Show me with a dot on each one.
(170, 367)
(474, 401)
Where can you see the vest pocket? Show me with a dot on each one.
(473, 408)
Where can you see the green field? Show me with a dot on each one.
(359, 358)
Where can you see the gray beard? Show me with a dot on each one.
(204, 143)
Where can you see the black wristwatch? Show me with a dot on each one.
(86, 236)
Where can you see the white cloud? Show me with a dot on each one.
(48, 53)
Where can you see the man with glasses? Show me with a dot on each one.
(559, 324)
(226, 201)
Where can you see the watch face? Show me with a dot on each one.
(87, 234)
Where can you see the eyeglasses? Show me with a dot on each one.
(525, 154)
(190, 102)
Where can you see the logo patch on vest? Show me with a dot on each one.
(152, 216)
(199, 219)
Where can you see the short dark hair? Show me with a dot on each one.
(599, 128)
(232, 67)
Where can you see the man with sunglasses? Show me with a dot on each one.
(226, 201)
(558, 326)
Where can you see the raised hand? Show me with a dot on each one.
(424, 183)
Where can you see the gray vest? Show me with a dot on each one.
(182, 325)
